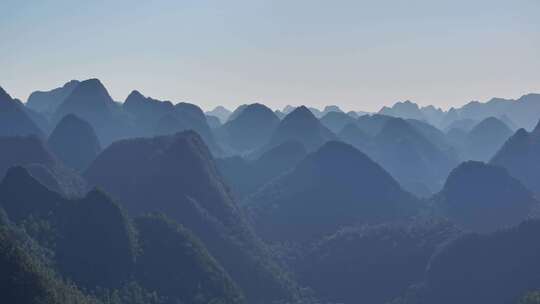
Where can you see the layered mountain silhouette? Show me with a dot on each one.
(146, 111)
(372, 124)
(95, 245)
(220, 112)
(302, 126)
(48, 101)
(333, 187)
(32, 153)
(74, 142)
(524, 111)
(236, 112)
(176, 175)
(418, 164)
(520, 156)
(485, 139)
(14, 120)
(484, 198)
(405, 109)
(353, 135)
(91, 102)
(155, 117)
(335, 121)
(251, 129)
(246, 176)
(213, 122)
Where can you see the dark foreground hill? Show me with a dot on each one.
(495, 268)
(91, 242)
(176, 175)
(371, 263)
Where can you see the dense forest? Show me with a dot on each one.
(159, 202)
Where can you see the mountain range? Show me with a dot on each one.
(151, 201)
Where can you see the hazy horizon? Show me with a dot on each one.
(359, 55)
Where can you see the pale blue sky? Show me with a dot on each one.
(357, 54)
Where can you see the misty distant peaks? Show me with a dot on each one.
(236, 112)
(74, 142)
(220, 112)
(335, 120)
(90, 101)
(251, 128)
(404, 109)
(331, 108)
(301, 125)
(48, 101)
(486, 138)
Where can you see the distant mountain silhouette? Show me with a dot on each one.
(236, 112)
(405, 109)
(462, 124)
(335, 121)
(74, 142)
(484, 198)
(155, 117)
(146, 111)
(245, 176)
(418, 164)
(302, 126)
(485, 139)
(330, 109)
(48, 101)
(251, 129)
(520, 155)
(333, 187)
(496, 268)
(193, 118)
(352, 134)
(91, 102)
(213, 122)
(14, 120)
(524, 111)
(434, 135)
(288, 109)
(220, 112)
(372, 124)
(433, 115)
(371, 263)
(176, 175)
(32, 153)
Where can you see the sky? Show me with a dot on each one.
(359, 55)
